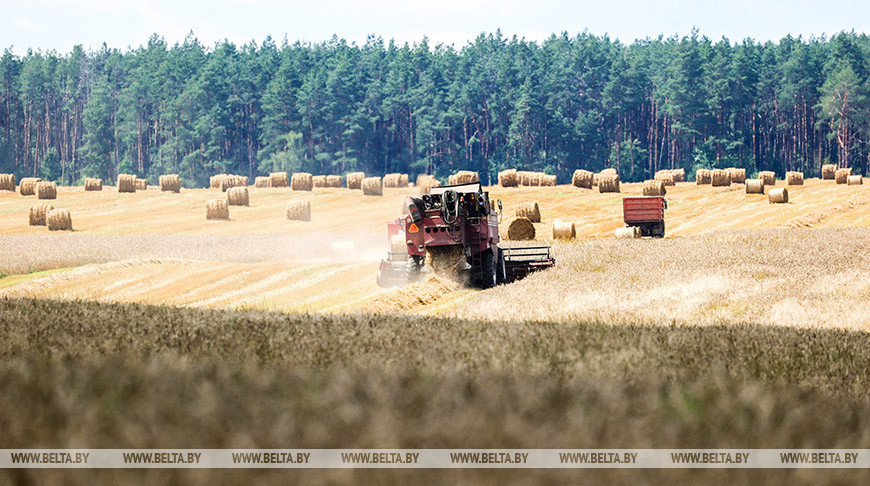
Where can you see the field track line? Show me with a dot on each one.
(33, 287)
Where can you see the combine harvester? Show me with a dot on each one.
(454, 231)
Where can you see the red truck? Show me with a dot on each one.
(645, 212)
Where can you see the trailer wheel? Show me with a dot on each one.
(659, 230)
(500, 272)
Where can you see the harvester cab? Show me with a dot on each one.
(453, 231)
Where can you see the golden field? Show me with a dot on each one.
(343, 213)
(728, 257)
(150, 327)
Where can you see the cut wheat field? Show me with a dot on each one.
(150, 327)
(693, 209)
(729, 257)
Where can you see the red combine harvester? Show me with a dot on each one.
(454, 230)
(645, 212)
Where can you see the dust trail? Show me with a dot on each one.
(31, 253)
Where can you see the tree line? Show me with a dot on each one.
(568, 102)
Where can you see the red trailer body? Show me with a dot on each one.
(645, 212)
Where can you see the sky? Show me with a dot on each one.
(60, 24)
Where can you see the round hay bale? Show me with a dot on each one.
(535, 178)
(7, 182)
(855, 180)
(754, 186)
(58, 220)
(93, 184)
(404, 180)
(464, 177)
(794, 178)
(562, 229)
(666, 176)
(654, 188)
(237, 196)
(27, 186)
(610, 171)
(842, 175)
(508, 178)
(38, 213)
(548, 180)
(298, 210)
(46, 190)
(679, 174)
(398, 243)
(318, 181)
(126, 183)
(391, 180)
(595, 178)
(217, 209)
(141, 184)
(333, 181)
(667, 179)
(214, 182)
(279, 179)
(582, 178)
(703, 177)
(170, 183)
(263, 182)
(829, 171)
(529, 210)
(228, 181)
(627, 233)
(354, 180)
(778, 195)
(608, 183)
(768, 176)
(373, 186)
(427, 183)
(301, 181)
(523, 177)
(520, 229)
(720, 178)
(738, 176)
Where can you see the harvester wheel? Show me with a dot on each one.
(488, 277)
(413, 267)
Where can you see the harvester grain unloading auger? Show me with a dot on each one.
(453, 231)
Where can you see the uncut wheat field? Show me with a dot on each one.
(149, 326)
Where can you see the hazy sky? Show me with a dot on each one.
(60, 24)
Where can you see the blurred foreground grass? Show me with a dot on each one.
(93, 375)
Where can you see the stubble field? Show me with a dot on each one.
(151, 327)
